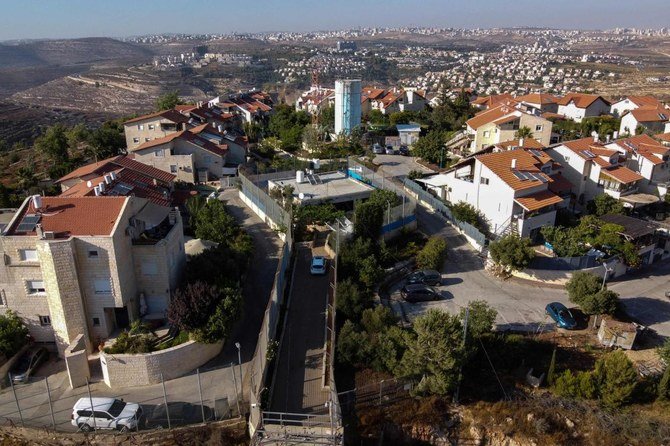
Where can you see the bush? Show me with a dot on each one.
(128, 343)
(466, 212)
(512, 252)
(433, 254)
(13, 334)
(616, 379)
(584, 289)
(351, 300)
(481, 318)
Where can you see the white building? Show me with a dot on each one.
(649, 158)
(633, 102)
(652, 119)
(577, 106)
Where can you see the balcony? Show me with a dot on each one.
(159, 232)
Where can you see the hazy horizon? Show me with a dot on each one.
(58, 19)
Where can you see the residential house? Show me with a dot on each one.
(368, 95)
(399, 100)
(649, 158)
(235, 142)
(577, 106)
(253, 106)
(594, 169)
(511, 189)
(652, 243)
(545, 103)
(664, 138)
(649, 119)
(630, 103)
(501, 123)
(314, 100)
(487, 102)
(190, 157)
(89, 265)
(153, 126)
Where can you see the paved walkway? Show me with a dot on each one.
(298, 384)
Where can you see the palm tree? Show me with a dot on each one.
(524, 132)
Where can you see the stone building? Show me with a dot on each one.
(89, 265)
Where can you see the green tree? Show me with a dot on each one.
(463, 211)
(327, 118)
(106, 141)
(430, 148)
(368, 220)
(26, 177)
(512, 252)
(311, 139)
(403, 117)
(616, 379)
(664, 385)
(13, 334)
(433, 254)
(252, 130)
(377, 117)
(664, 351)
(566, 385)
(524, 132)
(76, 135)
(351, 299)
(168, 100)
(54, 144)
(214, 223)
(481, 318)
(586, 290)
(370, 271)
(287, 124)
(435, 355)
(352, 344)
(604, 204)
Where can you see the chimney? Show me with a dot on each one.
(596, 137)
(521, 142)
(101, 188)
(112, 175)
(39, 231)
(615, 135)
(96, 191)
(513, 163)
(107, 178)
(607, 138)
(155, 182)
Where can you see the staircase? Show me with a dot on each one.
(511, 226)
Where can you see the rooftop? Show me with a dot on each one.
(633, 227)
(330, 186)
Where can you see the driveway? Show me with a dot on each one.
(398, 165)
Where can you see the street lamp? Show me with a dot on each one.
(607, 271)
(239, 363)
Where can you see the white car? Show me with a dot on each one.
(106, 413)
(318, 266)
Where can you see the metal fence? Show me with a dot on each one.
(205, 395)
(254, 188)
(378, 393)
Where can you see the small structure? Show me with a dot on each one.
(409, 133)
(613, 333)
(314, 188)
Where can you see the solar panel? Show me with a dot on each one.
(25, 227)
(662, 116)
(318, 179)
(518, 175)
(31, 218)
(311, 179)
(121, 189)
(588, 153)
(535, 152)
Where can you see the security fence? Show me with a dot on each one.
(254, 193)
(203, 396)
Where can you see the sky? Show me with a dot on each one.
(33, 19)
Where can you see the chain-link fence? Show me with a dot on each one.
(202, 396)
(377, 393)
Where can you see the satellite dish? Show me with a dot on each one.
(301, 196)
(89, 184)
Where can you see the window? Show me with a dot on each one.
(567, 159)
(45, 320)
(484, 180)
(35, 287)
(151, 126)
(103, 286)
(3, 299)
(173, 168)
(96, 321)
(149, 268)
(93, 254)
(487, 134)
(538, 128)
(136, 140)
(147, 139)
(159, 153)
(28, 255)
(140, 126)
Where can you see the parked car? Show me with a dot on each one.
(318, 266)
(404, 150)
(390, 150)
(26, 365)
(180, 414)
(105, 413)
(561, 315)
(419, 293)
(377, 149)
(425, 277)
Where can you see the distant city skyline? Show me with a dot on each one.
(34, 19)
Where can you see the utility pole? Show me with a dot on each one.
(460, 371)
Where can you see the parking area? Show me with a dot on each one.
(398, 165)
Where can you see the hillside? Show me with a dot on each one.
(69, 52)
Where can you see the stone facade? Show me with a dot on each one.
(129, 370)
(76, 360)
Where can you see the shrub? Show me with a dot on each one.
(128, 343)
(664, 351)
(433, 254)
(351, 300)
(466, 212)
(481, 318)
(566, 385)
(616, 379)
(13, 334)
(512, 252)
(664, 385)
(585, 289)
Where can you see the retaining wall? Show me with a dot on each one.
(76, 360)
(561, 277)
(129, 370)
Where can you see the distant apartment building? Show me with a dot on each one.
(89, 265)
(347, 105)
(594, 169)
(577, 106)
(502, 122)
(511, 188)
(346, 45)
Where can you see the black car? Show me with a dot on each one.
(419, 293)
(26, 365)
(181, 414)
(404, 150)
(425, 277)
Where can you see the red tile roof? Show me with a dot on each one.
(559, 183)
(75, 216)
(490, 115)
(494, 100)
(538, 200)
(537, 98)
(216, 149)
(581, 100)
(115, 164)
(528, 143)
(500, 163)
(170, 115)
(579, 146)
(663, 137)
(622, 174)
(651, 114)
(643, 101)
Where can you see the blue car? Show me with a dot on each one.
(561, 315)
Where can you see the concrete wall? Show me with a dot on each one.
(76, 360)
(262, 215)
(559, 277)
(126, 370)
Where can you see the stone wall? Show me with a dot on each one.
(561, 277)
(129, 370)
(76, 360)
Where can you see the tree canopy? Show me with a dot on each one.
(512, 251)
(168, 100)
(586, 290)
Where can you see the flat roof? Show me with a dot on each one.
(336, 187)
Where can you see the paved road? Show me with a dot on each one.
(398, 165)
(298, 384)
